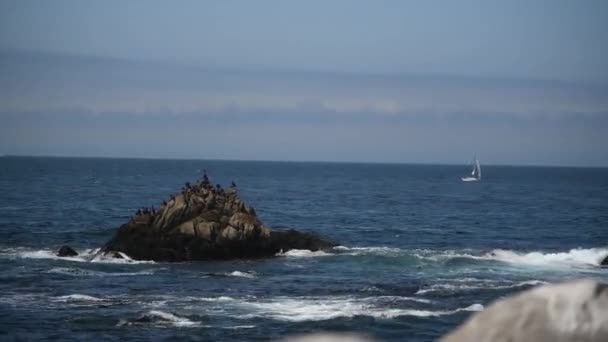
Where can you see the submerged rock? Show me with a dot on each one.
(573, 311)
(66, 251)
(204, 222)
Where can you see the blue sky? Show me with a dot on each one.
(517, 82)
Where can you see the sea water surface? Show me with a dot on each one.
(420, 251)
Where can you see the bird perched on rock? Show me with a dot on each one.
(205, 178)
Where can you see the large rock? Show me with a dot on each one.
(203, 223)
(574, 311)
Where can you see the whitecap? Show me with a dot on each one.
(249, 275)
(78, 298)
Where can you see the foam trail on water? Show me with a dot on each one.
(79, 272)
(449, 287)
(303, 253)
(319, 309)
(380, 251)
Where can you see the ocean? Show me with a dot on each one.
(419, 250)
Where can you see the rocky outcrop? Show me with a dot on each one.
(573, 311)
(604, 262)
(204, 222)
(66, 251)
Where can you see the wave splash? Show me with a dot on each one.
(86, 255)
(574, 257)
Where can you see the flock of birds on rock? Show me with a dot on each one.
(188, 189)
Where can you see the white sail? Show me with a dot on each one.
(475, 174)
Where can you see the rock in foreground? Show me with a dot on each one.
(574, 311)
(205, 222)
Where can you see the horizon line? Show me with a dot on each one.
(55, 156)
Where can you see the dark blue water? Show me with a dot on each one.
(421, 250)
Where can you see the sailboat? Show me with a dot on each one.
(475, 174)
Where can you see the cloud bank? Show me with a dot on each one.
(78, 105)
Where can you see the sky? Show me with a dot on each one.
(515, 82)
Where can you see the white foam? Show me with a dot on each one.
(574, 257)
(87, 255)
(578, 257)
(78, 298)
(319, 309)
(402, 298)
(381, 251)
(303, 253)
(172, 319)
(434, 255)
(79, 272)
(451, 287)
(249, 275)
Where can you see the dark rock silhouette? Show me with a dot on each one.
(204, 223)
(604, 261)
(66, 251)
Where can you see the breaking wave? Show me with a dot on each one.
(574, 257)
(87, 255)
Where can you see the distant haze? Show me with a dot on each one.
(513, 82)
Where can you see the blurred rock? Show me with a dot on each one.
(329, 337)
(576, 311)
